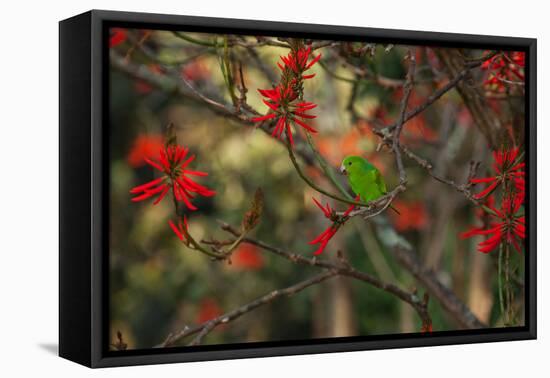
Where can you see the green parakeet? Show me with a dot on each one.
(364, 178)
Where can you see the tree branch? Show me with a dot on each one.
(344, 269)
(205, 328)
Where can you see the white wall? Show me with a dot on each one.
(29, 189)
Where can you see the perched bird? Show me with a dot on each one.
(364, 179)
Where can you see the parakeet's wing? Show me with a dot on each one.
(379, 180)
(367, 184)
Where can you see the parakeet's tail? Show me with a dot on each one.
(394, 209)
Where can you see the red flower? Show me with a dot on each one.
(324, 238)
(181, 229)
(504, 68)
(247, 257)
(145, 146)
(208, 310)
(297, 61)
(506, 168)
(281, 102)
(329, 232)
(327, 210)
(172, 164)
(508, 227)
(117, 37)
(282, 99)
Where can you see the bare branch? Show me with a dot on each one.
(401, 121)
(205, 328)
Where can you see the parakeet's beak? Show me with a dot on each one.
(343, 170)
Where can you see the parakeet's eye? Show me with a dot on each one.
(349, 163)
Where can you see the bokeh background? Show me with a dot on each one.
(157, 285)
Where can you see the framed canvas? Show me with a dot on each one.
(235, 188)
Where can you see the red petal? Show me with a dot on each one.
(263, 118)
(315, 60)
(143, 187)
(471, 232)
(321, 236)
(278, 129)
(154, 164)
(195, 173)
(303, 115)
(142, 197)
(348, 211)
(306, 105)
(175, 229)
(482, 180)
(186, 162)
(488, 190)
(516, 167)
(305, 126)
(271, 106)
(269, 93)
(189, 205)
(289, 134)
(164, 191)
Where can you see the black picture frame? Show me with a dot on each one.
(83, 197)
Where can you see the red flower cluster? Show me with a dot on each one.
(118, 36)
(281, 102)
(284, 101)
(508, 227)
(505, 225)
(297, 61)
(172, 164)
(507, 170)
(330, 231)
(504, 68)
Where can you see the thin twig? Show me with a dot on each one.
(462, 188)
(407, 89)
(313, 185)
(233, 42)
